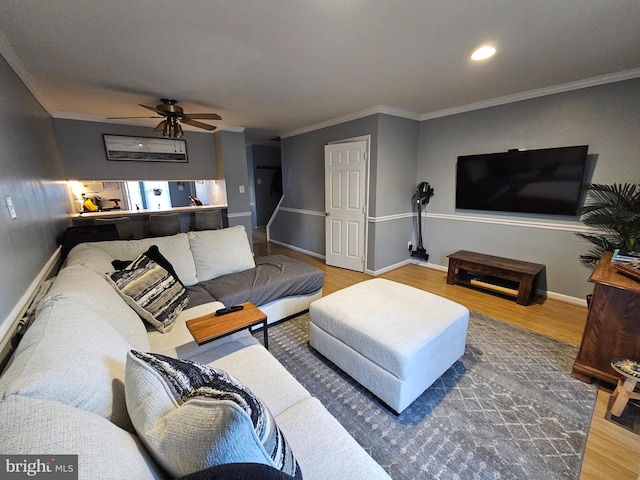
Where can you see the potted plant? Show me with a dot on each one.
(613, 211)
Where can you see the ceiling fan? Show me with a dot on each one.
(174, 114)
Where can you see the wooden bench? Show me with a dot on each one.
(498, 274)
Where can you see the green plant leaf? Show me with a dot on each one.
(614, 212)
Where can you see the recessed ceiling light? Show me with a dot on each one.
(483, 52)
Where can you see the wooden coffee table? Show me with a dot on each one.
(210, 327)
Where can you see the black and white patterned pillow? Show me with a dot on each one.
(153, 252)
(238, 471)
(152, 291)
(192, 416)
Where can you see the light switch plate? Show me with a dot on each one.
(10, 207)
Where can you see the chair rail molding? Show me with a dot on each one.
(543, 225)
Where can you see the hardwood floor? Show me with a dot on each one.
(612, 453)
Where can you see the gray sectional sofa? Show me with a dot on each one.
(76, 384)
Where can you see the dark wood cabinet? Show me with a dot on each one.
(613, 324)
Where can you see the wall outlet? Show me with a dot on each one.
(241, 188)
(409, 246)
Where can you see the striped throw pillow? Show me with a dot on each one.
(192, 416)
(152, 291)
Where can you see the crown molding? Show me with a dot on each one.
(396, 112)
(541, 92)
(566, 87)
(94, 118)
(229, 128)
(16, 64)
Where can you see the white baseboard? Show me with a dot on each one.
(297, 249)
(387, 269)
(551, 295)
(564, 298)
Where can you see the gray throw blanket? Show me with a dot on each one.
(274, 277)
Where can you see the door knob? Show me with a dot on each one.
(327, 214)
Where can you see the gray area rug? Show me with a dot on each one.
(508, 409)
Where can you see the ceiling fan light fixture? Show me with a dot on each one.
(172, 128)
(483, 53)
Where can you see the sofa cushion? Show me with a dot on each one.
(179, 342)
(154, 293)
(72, 355)
(192, 416)
(81, 283)
(90, 256)
(256, 368)
(44, 427)
(218, 252)
(323, 445)
(175, 248)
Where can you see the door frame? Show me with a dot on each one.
(367, 140)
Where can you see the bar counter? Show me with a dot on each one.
(128, 213)
(140, 218)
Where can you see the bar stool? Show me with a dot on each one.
(630, 369)
(206, 220)
(123, 225)
(161, 224)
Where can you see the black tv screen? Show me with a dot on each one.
(546, 181)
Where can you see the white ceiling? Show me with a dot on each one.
(277, 66)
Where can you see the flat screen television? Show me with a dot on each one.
(545, 181)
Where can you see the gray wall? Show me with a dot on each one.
(302, 225)
(252, 193)
(84, 158)
(392, 176)
(30, 172)
(210, 156)
(393, 181)
(406, 152)
(232, 164)
(606, 117)
(266, 165)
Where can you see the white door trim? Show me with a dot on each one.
(367, 140)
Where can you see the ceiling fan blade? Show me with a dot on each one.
(160, 126)
(154, 109)
(203, 116)
(194, 123)
(120, 118)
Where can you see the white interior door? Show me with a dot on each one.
(345, 204)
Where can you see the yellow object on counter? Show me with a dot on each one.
(89, 205)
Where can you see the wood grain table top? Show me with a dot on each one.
(209, 327)
(519, 266)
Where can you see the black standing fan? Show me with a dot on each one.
(424, 192)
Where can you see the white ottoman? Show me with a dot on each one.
(395, 340)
